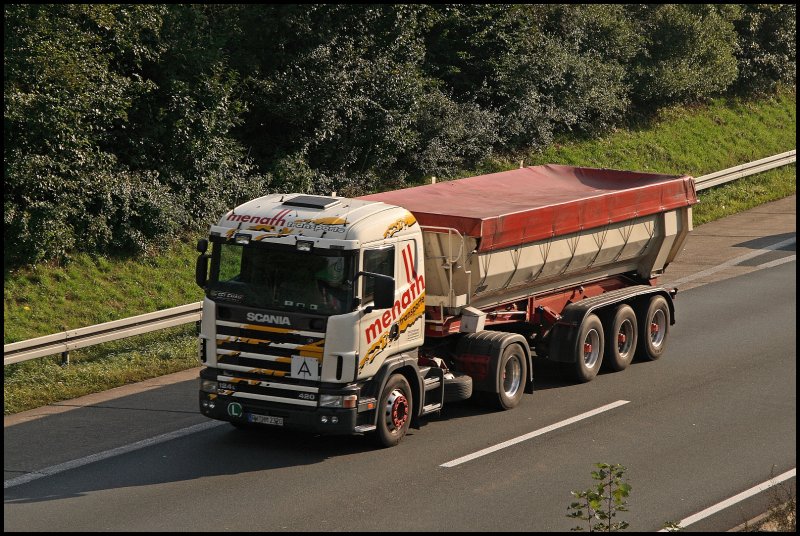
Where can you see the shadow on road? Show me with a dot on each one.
(215, 452)
(202, 456)
(766, 241)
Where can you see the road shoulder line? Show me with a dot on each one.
(735, 499)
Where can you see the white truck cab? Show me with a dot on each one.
(290, 326)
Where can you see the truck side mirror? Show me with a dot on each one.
(383, 297)
(201, 271)
(384, 292)
(202, 245)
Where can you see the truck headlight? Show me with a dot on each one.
(208, 386)
(330, 401)
(336, 401)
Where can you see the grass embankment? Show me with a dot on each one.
(46, 299)
(698, 142)
(91, 290)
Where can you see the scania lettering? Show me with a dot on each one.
(363, 315)
(270, 319)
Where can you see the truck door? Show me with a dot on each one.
(410, 294)
(376, 327)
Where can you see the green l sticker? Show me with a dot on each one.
(235, 409)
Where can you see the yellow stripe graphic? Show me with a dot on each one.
(412, 314)
(399, 225)
(315, 346)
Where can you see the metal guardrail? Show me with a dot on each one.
(751, 168)
(62, 343)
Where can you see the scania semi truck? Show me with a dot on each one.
(363, 315)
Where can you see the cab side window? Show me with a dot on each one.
(377, 261)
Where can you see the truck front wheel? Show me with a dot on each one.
(588, 350)
(395, 411)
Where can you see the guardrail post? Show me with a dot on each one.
(64, 359)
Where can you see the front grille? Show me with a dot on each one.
(256, 363)
(240, 361)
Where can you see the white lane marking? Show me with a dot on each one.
(736, 498)
(73, 464)
(535, 433)
(736, 261)
(778, 262)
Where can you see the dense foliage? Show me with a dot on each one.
(126, 124)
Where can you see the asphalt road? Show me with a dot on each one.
(714, 417)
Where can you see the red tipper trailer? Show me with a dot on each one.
(552, 251)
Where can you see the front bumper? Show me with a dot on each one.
(237, 409)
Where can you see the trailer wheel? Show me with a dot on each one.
(653, 328)
(622, 335)
(511, 373)
(588, 350)
(394, 411)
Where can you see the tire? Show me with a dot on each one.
(459, 387)
(512, 370)
(622, 335)
(653, 328)
(588, 350)
(394, 411)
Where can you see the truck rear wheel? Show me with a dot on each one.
(588, 350)
(653, 328)
(621, 333)
(394, 411)
(512, 369)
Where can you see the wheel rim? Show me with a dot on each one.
(625, 338)
(658, 328)
(512, 376)
(591, 348)
(396, 410)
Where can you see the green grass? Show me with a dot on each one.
(697, 141)
(92, 289)
(89, 290)
(744, 194)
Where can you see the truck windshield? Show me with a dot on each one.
(282, 278)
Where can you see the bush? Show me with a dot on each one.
(450, 136)
(688, 52)
(107, 147)
(540, 69)
(767, 47)
(128, 124)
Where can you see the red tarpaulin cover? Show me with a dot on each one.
(514, 207)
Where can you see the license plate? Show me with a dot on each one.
(265, 419)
